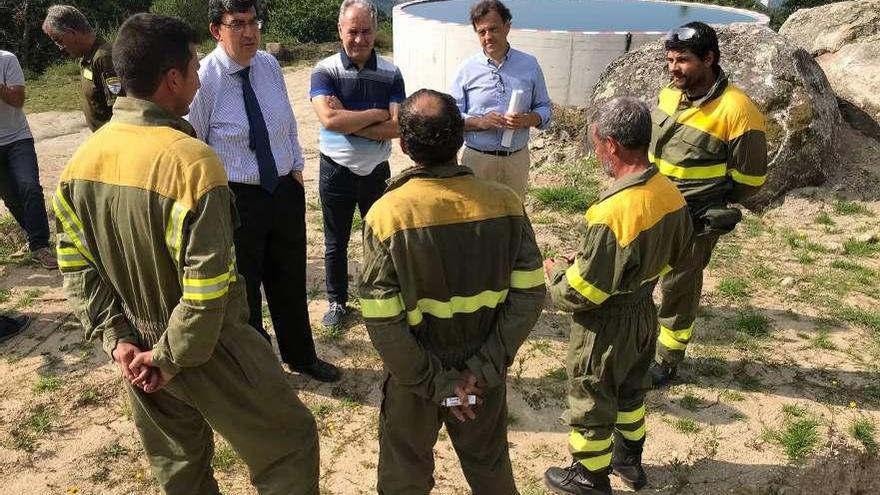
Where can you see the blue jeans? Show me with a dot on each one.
(21, 190)
(340, 191)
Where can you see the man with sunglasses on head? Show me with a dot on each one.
(242, 111)
(708, 138)
(483, 87)
(69, 29)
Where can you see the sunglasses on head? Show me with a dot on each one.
(680, 34)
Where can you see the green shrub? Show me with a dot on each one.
(194, 12)
(302, 20)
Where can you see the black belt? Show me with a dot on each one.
(496, 152)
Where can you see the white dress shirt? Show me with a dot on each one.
(218, 115)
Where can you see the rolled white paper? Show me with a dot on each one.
(515, 96)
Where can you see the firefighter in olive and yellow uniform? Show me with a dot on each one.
(145, 222)
(636, 232)
(451, 287)
(708, 138)
(100, 86)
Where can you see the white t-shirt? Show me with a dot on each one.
(13, 124)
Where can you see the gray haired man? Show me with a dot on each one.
(71, 32)
(635, 233)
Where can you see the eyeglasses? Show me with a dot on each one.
(499, 82)
(680, 34)
(59, 41)
(238, 26)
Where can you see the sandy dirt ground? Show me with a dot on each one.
(769, 351)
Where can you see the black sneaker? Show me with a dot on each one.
(662, 374)
(577, 480)
(319, 370)
(334, 315)
(10, 327)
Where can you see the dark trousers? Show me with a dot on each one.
(270, 248)
(21, 190)
(341, 190)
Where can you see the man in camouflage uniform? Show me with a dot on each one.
(452, 285)
(708, 138)
(71, 31)
(145, 222)
(635, 233)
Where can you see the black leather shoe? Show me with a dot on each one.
(10, 327)
(662, 374)
(319, 370)
(577, 480)
(626, 462)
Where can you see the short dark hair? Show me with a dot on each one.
(148, 46)
(704, 41)
(483, 7)
(431, 134)
(216, 8)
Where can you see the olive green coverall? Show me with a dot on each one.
(637, 231)
(145, 222)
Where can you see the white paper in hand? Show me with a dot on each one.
(515, 98)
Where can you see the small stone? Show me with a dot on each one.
(868, 238)
(788, 282)
(537, 144)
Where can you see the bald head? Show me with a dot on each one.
(431, 127)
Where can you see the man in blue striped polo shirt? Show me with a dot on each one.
(482, 88)
(355, 94)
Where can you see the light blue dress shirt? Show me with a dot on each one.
(481, 87)
(218, 115)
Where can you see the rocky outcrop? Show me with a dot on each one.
(803, 119)
(845, 39)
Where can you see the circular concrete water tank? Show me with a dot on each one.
(573, 40)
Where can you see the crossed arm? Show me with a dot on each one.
(375, 123)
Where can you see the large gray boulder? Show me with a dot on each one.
(803, 119)
(844, 38)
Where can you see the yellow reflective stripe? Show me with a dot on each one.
(70, 258)
(526, 279)
(584, 288)
(70, 223)
(597, 463)
(580, 444)
(749, 180)
(666, 269)
(174, 229)
(456, 305)
(382, 308)
(636, 435)
(204, 289)
(671, 339)
(629, 417)
(679, 172)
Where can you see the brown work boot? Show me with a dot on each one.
(45, 258)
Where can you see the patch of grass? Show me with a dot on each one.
(863, 430)
(88, 397)
(57, 88)
(733, 288)
(752, 323)
(28, 298)
(823, 341)
(4, 295)
(40, 420)
(690, 402)
(47, 384)
(224, 458)
(842, 207)
(798, 436)
(854, 247)
(558, 374)
(794, 411)
(858, 316)
(823, 218)
(762, 273)
(853, 267)
(731, 396)
(805, 258)
(685, 426)
(709, 366)
(752, 226)
(357, 223)
(569, 199)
